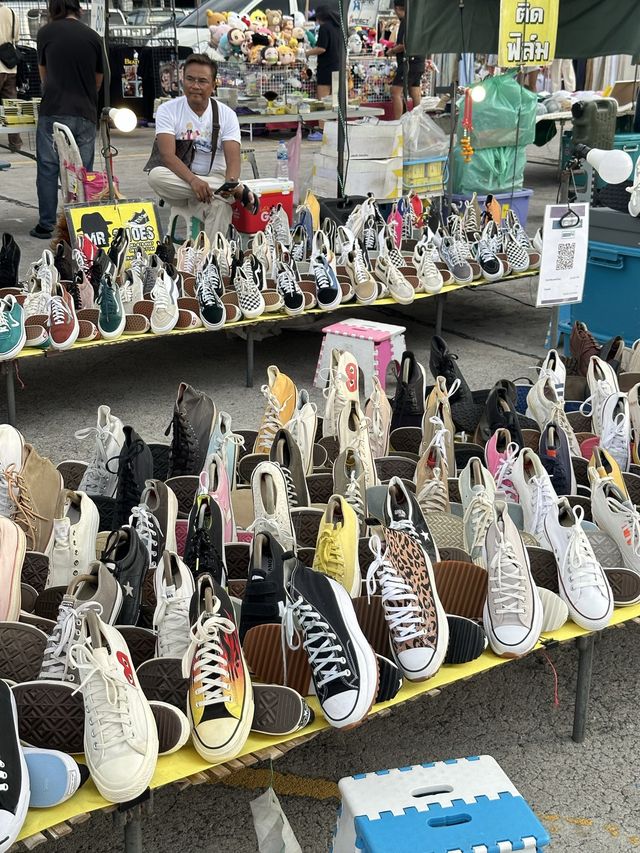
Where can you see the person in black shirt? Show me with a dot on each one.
(71, 70)
(415, 70)
(327, 49)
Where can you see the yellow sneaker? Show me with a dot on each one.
(337, 545)
(281, 395)
(602, 465)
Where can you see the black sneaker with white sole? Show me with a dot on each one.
(328, 292)
(14, 776)
(408, 401)
(402, 512)
(299, 247)
(204, 547)
(289, 289)
(344, 667)
(264, 598)
(279, 710)
(128, 558)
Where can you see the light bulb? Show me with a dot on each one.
(478, 93)
(613, 166)
(123, 119)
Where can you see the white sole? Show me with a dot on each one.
(109, 336)
(522, 648)
(172, 517)
(212, 327)
(402, 301)
(367, 662)
(440, 651)
(333, 305)
(13, 608)
(554, 611)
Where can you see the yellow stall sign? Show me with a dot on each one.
(528, 32)
(99, 220)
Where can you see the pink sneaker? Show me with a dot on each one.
(500, 454)
(219, 488)
(588, 445)
(13, 545)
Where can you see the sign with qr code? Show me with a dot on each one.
(565, 244)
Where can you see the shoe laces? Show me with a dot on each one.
(485, 251)
(615, 435)
(292, 494)
(146, 526)
(579, 561)
(454, 252)
(353, 496)
(24, 513)
(323, 648)
(183, 442)
(271, 421)
(189, 260)
(502, 475)
(139, 264)
(212, 680)
(160, 295)
(96, 474)
(55, 661)
(59, 311)
(280, 230)
(434, 495)
(506, 580)
(247, 290)
(78, 258)
(403, 612)
(559, 417)
(7, 504)
(109, 721)
(480, 515)
(205, 289)
(322, 276)
(469, 218)
(543, 499)
(439, 439)
(171, 622)
(330, 555)
(359, 266)
(286, 281)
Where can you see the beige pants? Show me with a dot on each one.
(562, 69)
(216, 215)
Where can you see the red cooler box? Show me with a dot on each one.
(272, 191)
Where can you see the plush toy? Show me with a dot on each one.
(270, 56)
(287, 28)
(298, 19)
(298, 34)
(274, 20)
(258, 19)
(234, 20)
(215, 18)
(286, 55)
(216, 33)
(255, 55)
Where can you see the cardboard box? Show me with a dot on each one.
(382, 178)
(369, 139)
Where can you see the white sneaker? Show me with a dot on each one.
(250, 298)
(478, 492)
(429, 275)
(633, 365)
(109, 438)
(378, 413)
(537, 495)
(42, 285)
(165, 312)
(394, 281)
(11, 456)
(174, 586)
(302, 427)
(353, 433)
(582, 582)
(602, 381)
(341, 388)
(120, 735)
(617, 516)
(271, 509)
(280, 224)
(190, 257)
(544, 406)
(634, 193)
(615, 429)
(512, 615)
(74, 538)
(553, 367)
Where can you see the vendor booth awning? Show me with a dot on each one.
(586, 28)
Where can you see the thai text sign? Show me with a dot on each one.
(528, 30)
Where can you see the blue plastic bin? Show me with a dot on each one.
(518, 200)
(611, 303)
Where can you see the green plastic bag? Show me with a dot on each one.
(495, 119)
(490, 170)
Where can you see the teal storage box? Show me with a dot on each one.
(611, 301)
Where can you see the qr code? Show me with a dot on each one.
(566, 254)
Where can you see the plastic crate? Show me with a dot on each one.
(425, 177)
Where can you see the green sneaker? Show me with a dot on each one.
(111, 318)
(12, 331)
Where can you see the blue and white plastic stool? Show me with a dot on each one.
(466, 805)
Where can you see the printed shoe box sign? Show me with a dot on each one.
(99, 220)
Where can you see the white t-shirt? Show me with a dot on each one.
(177, 118)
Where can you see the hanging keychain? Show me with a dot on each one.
(467, 126)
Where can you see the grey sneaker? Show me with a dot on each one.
(350, 482)
(478, 491)
(452, 254)
(512, 615)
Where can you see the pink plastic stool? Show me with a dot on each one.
(374, 346)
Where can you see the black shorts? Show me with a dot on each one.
(323, 77)
(415, 72)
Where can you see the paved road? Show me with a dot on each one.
(587, 795)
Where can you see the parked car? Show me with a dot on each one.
(193, 32)
(154, 18)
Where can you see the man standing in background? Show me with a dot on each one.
(415, 67)
(9, 34)
(70, 66)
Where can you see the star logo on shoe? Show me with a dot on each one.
(128, 589)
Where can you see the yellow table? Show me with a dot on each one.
(187, 767)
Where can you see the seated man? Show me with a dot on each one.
(197, 150)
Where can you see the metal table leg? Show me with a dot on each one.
(440, 300)
(133, 834)
(250, 342)
(9, 369)
(583, 685)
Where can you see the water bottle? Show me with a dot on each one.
(282, 165)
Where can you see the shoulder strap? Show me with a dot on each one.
(13, 26)
(215, 130)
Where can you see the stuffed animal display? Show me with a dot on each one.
(263, 38)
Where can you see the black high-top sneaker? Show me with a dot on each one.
(204, 547)
(127, 557)
(135, 466)
(464, 410)
(408, 401)
(9, 261)
(344, 667)
(194, 415)
(264, 597)
(14, 790)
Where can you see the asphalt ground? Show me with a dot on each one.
(587, 795)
